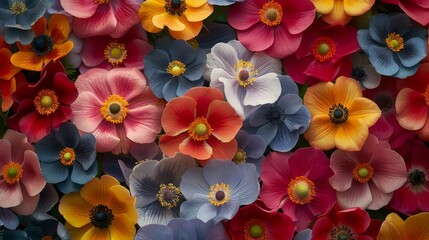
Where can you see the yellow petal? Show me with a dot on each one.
(357, 7)
(195, 3)
(351, 135)
(337, 16)
(77, 233)
(122, 227)
(365, 109)
(97, 234)
(192, 29)
(324, 6)
(319, 98)
(198, 14)
(392, 228)
(59, 51)
(417, 227)
(149, 9)
(171, 21)
(121, 202)
(58, 28)
(27, 60)
(97, 191)
(346, 90)
(321, 133)
(75, 209)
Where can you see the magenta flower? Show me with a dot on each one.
(21, 179)
(118, 107)
(298, 184)
(279, 23)
(102, 17)
(107, 52)
(367, 178)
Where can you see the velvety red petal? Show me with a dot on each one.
(178, 114)
(35, 126)
(310, 162)
(224, 121)
(243, 15)
(64, 89)
(322, 228)
(423, 132)
(298, 16)
(93, 50)
(169, 145)
(356, 219)
(222, 150)
(284, 43)
(325, 71)
(204, 96)
(295, 68)
(257, 31)
(197, 149)
(411, 109)
(136, 50)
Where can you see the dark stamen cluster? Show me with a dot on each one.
(338, 113)
(101, 216)
(175, 7)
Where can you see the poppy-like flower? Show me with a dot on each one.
(66, 158)
(323, 54)
(279, 23)
(173, 68)
(200, 124)
(248, 79)
(280, 123)
(395, 45)
(43, 106)
(254, 222)
(179, 228)
(414, 227)
(415, 9)
(117, 107)
(21, 179)
(49, 43)
(108, 52)
(364, 72)
(155, 184)
(340, 115)
(218, 190)
(102, 17)
(338, 223)
(7, 77)
(184, 19)
(250, 149)
(103, 209)
(367, 178)
(298, 184)
(341, 12)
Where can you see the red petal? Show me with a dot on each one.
(169, 145)
(222, 150)
(411, 109)
(356, 219)
(204, 96)
(178, 114)
(224, 121)
(197, 149)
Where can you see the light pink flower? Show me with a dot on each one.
(118, 107)
(367, 178)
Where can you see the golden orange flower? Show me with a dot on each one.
(415, 227)
(341, 11)
(184, 19)
(340, 115)
(103, 209)
(50, 43)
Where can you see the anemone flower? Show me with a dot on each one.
(341, 12)
(7, 78)
(364, 72)
(117, 107)
(155, 184)
(250, 149)
(414, 227)
(21, 181)
(43, 106)
(200, 124)
(46, 229)
(340, 115)
(415, 9)
(49, 43)
(298, 184)
(218, 190)
(103, 209)
(248, 79)
(279, 23)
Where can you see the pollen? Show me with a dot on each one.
(245, 73)
(176, 68)
(12, 173)
(99, 2)
(200, 129)
(67, 156)
(17, 7)
(395, 42)
(114, 109)
(168, 195)
(115, 53)
(175, 7)
(323, 49)
(219, 194)
(46, 102)
(271, 13)
(363, 172)
(301, 190)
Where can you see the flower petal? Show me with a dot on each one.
(197, 149)
(178, 114)
(358, 195)
(224, 120)
(75, 209)
(411, 109)
(321, 133)
(80, 8)
(86, 112)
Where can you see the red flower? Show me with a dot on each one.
(200, 124)
(45, 105)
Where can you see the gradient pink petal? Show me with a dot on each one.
(415, 11)
(126, 13)
(390, 172)
(244, 15)
(258, 31)
(106, 137)
(284, 43)
(10, 195)
(103, 22)
(5, 153)
(298, 16)
(325, 71)
(32, 177)
(342, 166)
(35, 126)
(310, 162)
(28, 204)
(86, 112)
(136, 50)
(411, 109)
(93, 50)
(80, 8)
(379, 198)
(143, 124)
(128, 83)
(94, 81)
(358, 195)
(19, 145)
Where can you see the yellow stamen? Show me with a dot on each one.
(245, 73)
(323, 49)
(46, 102)
(363, 172)
(99, 2)
(219, 194)
(199, 129)
(115, 53)
(114, 109)
(395, 42)
(67, 156)
(17, 7)
(176, 68)
(271, 13)
(240, 156)
(168, 195)
(301, 190)
(12, 173)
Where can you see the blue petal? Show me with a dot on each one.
(48, 149)
(81, 175)
(68, 135)
(285, 140)
(170, 88)
(399, 23)
(298, 121)
(256, 146)
(209, 230)
(184, 85)
(154, 213)
(259, 117)
(8, 219)
(248, 189)
(383, 61)
(182, 229)
(207, 211)
(14, 234)
(189, 209)
(405, 72)
(54, 172)
(12, 35)
(215, 33)
(110, 165)
(48, 198)
(68, 186)
(291, 103)
(227, 210)
(85, 152)
(142, 183)
(288, 85)
(181, 50)
(242, 139)
(414, 51)
(377, 28)
(195, 69)
(171, 170)
(267, 132)
(193, 185)
(218, 171)
(364, 39)
(154, 232)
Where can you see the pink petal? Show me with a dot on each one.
(406, 201)
(358, 195)
(10, 195)
(5, 155)
(390, 172)
(28, 205)
(197, 149)
(411, 109)
(304, 217)
(379, 198)
(35, 126)
(63, 114)
(416, 12)
(310, 162)
(18, 143)
(258, 31)
(103, 22)
(178, 114)
(128, 83)
(244, 15)
(32, 177)
(382, 129)
(136, 51)
(224, 120)
(324, 199)
(86, 112)
(342, 166)
(106, 137)
(325, 71)
(93, 50)
(80, 8)
(94, 80)
(124, 144)
(143, 124)
(298, 16)
(284, 43)
(126, 13)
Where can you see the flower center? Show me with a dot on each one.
(114, 109)
(240, 156)
(245, 73)
(359, 74)
(363, 172)
(323, 49)
(342, 233)
(271, 13)
(99, 2)
(168, 195)
(200, 130)
(47, 238)
(101, 216)
(17, 7)
(175, 7)
(338, 113)
(219, 194)
(176, 68)
(301, 190)
(395, 42)
(46, 102)
(12, 173)
(115, 53)
(67, 156)
(42, 45)
(275, 114)
(255, 229)
(426, 95)
(416, 177)
(384, 102)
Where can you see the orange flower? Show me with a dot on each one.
(415, 227)
(7, 79)
(103, 209)
(50, 43)
(341, 11)
(340, 115)
(184, 19)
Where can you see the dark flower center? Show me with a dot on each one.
(175, 7)
(240, 156)
(342, 233)
(243, 75)
(101, 216)
(338, 113)
(359, 74)
(275, 114)
(220, 195)
(384, 102)
(42, 44)
(168, 195)
(114, 108)
(416, 177)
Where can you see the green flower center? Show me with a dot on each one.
(256, 231)
(323, 49)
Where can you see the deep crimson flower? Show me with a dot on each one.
(44, 105)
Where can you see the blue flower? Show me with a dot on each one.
(280, 123)
(13, 234)
(181, 229)
(251, 148)
(213, 33)
(38, 229)
(173, 67)
(218, 190)
(155, 184)
(395, 45)
(66, 158)
(8, 219)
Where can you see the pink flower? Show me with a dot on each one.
(21, 179)
(298, 184)
(107, 52)
(102, 17)
(367, 178)
(118, 107)
(279, 23)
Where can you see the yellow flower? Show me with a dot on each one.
(183, 18)
(415, 227)
(340, 115)
(103, 209)
(341, 11)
